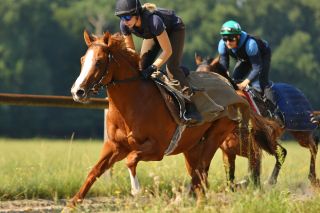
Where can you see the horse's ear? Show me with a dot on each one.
(88, 38)
(198, 59)
(215, 60)
(106, 38)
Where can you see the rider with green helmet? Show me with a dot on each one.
(253, 58)
(252, 55)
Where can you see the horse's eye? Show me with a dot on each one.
(98, 63)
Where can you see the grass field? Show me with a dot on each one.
(54, 169)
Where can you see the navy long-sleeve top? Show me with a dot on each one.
(251, 53)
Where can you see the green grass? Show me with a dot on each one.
(55, 169)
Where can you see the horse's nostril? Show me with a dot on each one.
(80, 93)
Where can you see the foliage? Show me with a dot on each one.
(41, 43)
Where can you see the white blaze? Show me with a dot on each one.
(88, 63)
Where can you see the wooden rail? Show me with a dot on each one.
(50, 101)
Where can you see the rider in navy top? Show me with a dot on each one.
(252, 55)
(163, 34)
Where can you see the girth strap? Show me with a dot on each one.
(175, 139)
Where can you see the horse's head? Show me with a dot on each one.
(203, 65)
(98, 65)
(93, 66)
(208, 64)
(213, 65)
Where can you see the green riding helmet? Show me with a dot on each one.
(230, 28)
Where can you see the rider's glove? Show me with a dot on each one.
(146, 73)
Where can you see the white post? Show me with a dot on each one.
(105, 133)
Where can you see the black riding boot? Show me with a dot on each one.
(272, 106)
(191, 115)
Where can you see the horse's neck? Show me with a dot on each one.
(132, 96)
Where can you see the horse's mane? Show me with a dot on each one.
(216, 66)
(118, 44)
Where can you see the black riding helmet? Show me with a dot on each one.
(127, 7)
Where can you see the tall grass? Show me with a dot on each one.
(54, 169)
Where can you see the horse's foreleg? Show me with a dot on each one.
(132, 161)
(280, 155)
(110, 154)
(145, 151)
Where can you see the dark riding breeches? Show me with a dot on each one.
(243, 68)
(150, 50)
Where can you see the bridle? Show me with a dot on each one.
(113, 82)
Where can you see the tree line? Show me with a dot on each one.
(41, 43)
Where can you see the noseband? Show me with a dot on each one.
(113, 82)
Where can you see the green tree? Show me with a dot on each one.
(294, 60)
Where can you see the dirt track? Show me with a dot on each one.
(92, 205)
(117, 204)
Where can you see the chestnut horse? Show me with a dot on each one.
(139, 124)
(305, 138)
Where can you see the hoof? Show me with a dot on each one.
(315, 182)
(231, 187)
(272, 182)
(242, 184)
(68, 209)
(135, 193)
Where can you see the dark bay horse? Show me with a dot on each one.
(233, 146)
(305, 138)
(315, 118)
(139, 124)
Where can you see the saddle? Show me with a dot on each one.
(215, 98)
(292, 106)
(176, 102)
(258, 102)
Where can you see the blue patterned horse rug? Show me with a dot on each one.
(295, 107)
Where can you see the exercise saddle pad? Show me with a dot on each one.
(295, 107)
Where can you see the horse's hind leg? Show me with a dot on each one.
(229, 166)
(110, 154)
(280, 154)
(198, 159)
(254, 159)
(305, 139)
(196, 170)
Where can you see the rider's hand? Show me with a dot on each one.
(243, 84)
(146, 73)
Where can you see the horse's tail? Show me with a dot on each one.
(265, 132)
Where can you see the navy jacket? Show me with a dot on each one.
(250, 49)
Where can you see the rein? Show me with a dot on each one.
(113, 82)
